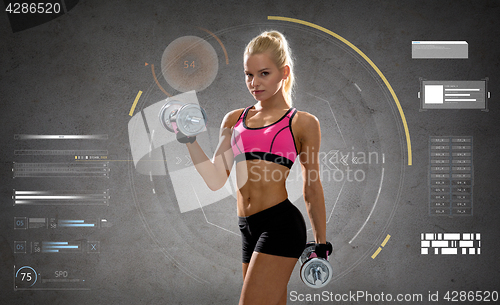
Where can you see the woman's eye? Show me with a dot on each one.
(265, 73)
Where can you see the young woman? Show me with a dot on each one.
(264, 140)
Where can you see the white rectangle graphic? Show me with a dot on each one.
(440, 244)
(439, 49)
(451, 236)
(466, 243)
(450, 243)
(449, 251)
(433, 94)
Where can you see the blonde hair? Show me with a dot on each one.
(275, 43)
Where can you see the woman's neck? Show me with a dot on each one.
(277, 101)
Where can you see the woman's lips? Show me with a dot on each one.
(258, 91)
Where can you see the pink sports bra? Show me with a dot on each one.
(274, 142)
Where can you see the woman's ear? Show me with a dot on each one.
(286, 71)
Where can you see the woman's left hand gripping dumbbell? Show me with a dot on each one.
(316, 271)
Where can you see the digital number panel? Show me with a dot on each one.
(450, 176)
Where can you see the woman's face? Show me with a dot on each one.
(262, 76)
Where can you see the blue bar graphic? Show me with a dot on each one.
(77, 225)
(61, 247)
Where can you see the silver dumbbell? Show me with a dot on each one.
(189, 119)
(315, 272)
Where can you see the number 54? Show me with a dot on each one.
(187, 64)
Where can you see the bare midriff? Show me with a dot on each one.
(261, 184)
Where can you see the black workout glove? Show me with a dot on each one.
(323, 250)
(182, 138)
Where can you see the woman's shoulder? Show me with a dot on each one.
(232, 117)
(305, 119)
(306, 128)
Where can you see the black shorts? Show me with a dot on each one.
(279, 230)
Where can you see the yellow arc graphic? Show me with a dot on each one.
(135, 103)
(376, 253)
(385, 240)
(368, 60)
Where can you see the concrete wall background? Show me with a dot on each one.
(80, 73)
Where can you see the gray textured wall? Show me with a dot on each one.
(80, 73)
